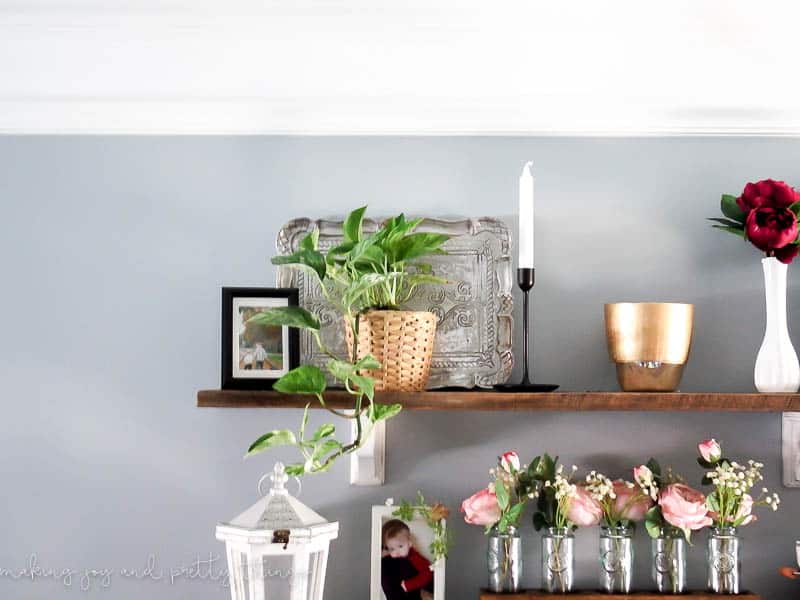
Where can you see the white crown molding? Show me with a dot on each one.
(328, 67)
(269, 116)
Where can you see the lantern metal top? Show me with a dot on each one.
(279, 510)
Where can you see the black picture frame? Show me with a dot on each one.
(234, 378)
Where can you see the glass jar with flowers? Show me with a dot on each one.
(678, 511)
(556, 516)
(730, 506)
(499, 508)
(622, 504)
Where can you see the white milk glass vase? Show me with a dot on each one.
(777, 369)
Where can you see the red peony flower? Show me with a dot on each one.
(767, 194)
(787, 253)
(771, 228)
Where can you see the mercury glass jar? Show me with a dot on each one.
(669, 561)
(616, 559)
(504, 558)
(724, 560)
(558, 560)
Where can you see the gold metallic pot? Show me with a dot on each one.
(649, 342)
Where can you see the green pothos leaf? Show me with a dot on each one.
(272, 439)
(289, 316)
(340, 369)
(304, 422)
(385, 411)
(295, 470)
(323, 431)
(305, 379)
(352, 225)
(304, 256)
(311, 241)
(367, 362)
(326, 448)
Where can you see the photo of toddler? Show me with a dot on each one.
(405, 573)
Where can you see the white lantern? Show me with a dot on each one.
(278, 548)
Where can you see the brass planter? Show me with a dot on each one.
(649, 342)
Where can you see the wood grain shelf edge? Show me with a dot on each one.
(537, 595)
(489, 400)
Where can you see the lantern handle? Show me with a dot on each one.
(266, 476)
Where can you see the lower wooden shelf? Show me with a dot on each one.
(538, 595)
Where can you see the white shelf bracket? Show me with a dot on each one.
(791, 449)
(368, 464)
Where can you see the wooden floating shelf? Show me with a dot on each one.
(501, 401)
(537, 595)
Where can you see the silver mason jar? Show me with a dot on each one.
(724, 560)
(616, 559)
(504, 559)
(669, 561)
(558, 560)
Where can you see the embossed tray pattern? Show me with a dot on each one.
(474, 332)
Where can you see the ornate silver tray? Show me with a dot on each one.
(474, 332)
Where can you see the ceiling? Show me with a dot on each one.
(568, 67)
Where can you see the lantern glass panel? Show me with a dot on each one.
(278, 576)
(245, 568)
(315, 574)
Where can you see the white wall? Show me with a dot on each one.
(377, 66)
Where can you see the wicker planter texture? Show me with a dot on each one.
(402, 341)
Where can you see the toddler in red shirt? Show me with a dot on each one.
(405, 573)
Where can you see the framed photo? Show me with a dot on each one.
(255, 356)
(400, 565)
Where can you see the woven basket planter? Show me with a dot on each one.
(402, 341)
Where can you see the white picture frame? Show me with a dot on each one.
(421, 536)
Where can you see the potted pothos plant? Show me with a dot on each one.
(362, 276)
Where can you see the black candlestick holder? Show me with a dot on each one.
(525, 280)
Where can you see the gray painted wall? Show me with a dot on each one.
(113, 252)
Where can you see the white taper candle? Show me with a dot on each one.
(526, 218)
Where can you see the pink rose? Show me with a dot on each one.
(745, 511)
(710, 450)
(643, 475)
(584, 511)
(630, 504)
(509, 462)
(684, 507)
(481, 508)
